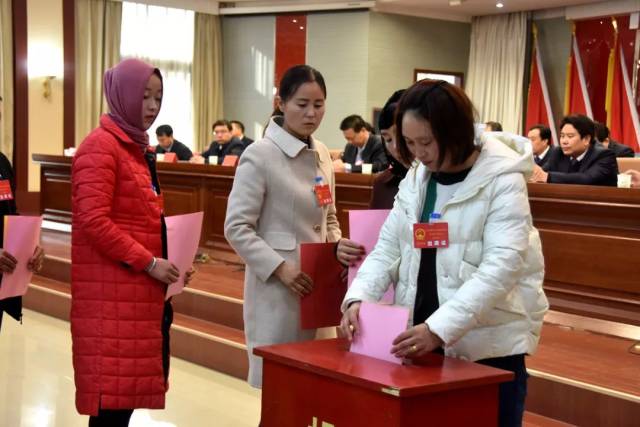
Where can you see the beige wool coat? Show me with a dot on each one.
(271, 210)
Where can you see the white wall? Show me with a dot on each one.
(337, 45)
(248, 70)
(400, 44)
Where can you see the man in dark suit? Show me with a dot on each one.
(167, 144)
(578, 160)
(540, 137)
(363, 147)
(224, 143)
(238, 132)
(620, 150)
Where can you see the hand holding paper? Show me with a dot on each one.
(21, 237)
(379, 326)
(183, 237)
(321, 308)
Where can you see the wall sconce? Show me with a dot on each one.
(45, 63)
(46, 87)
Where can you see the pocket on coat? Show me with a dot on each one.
(280, 240)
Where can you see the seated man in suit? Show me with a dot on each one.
(620, 150)
(224, 143)
(363, 147)
(540, 137)
(578, 160)
(238, 132)
(493, 127)
(167, 144)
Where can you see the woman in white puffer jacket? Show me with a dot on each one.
(480, 298)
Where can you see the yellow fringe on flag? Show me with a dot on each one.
(610, 72)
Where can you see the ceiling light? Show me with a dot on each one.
(499, 5)
(455, 2)
(295, 21)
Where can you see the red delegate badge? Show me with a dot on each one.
(5, 190)
(432, 235)
(323, 194)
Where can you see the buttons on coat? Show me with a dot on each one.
(317, 228)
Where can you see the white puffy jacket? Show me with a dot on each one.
(490, 277)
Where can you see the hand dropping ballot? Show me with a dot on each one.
(379, 326)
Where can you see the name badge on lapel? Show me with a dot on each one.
(432, 235)
(322, 192)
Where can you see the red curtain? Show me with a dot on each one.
(595, 38)
(538, 103)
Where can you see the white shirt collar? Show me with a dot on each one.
(581, 156)
(544, 153)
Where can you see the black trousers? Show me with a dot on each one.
(512, 395)
(111, 418)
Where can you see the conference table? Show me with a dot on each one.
(590, 235)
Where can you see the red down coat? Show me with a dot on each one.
(116, 308)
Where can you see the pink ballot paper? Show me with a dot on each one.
(364, 228)
(183, 237)
(379, 326)
(21, 237)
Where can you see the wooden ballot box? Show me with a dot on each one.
(322, 384)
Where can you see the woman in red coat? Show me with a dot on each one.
(119, 319)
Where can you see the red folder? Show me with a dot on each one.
(321, 308)
(230, 160)
(170, 158)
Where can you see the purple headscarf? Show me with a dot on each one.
(124, 87)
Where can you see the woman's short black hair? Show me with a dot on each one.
(388, 112)
(583, 124)
(449, 112)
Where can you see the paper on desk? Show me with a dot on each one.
(21, 237)
(379, 326)
(183, 238)
(364, 228)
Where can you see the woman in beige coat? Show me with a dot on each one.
(272, 209)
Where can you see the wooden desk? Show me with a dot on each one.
(320, 383)
(190, 188)
(591, 244)
(590, 235)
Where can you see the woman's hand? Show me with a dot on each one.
(294, 279)
(35, 263)
(349, 252)
(349, 325)
(189, 275)
(164, 271)
(7, 262)
(415, 342)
